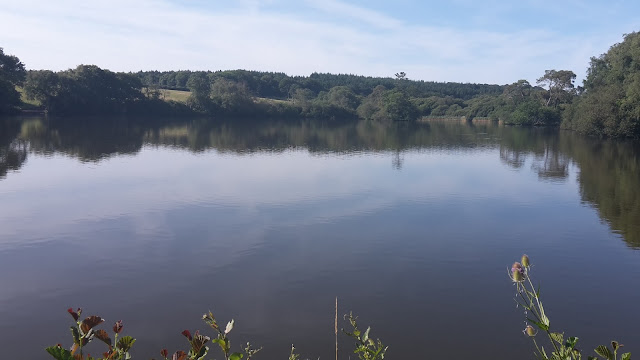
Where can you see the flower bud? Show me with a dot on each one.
(117, 327)
(164, 353)
(530, 331)
(73, 313)
(525, 260)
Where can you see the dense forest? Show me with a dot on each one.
(608, 105)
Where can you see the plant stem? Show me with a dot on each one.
(544, 320)
(336, 327)
(537, 348)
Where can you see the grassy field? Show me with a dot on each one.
(28, 104)
(175, 95)
(165, 94)
(182, 96)
(272, 101)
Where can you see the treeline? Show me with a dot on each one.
(282, 86)
(607, 106)
(88, 89)
(247, 93)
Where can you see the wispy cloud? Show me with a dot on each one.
(278, 35)
(370, 17)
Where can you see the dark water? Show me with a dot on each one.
(411, 226)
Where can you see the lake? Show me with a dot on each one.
(411, 226)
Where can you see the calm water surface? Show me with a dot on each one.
(412, 227)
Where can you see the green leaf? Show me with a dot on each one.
(540, 325)
(59, 353)
(359, 349)
(125, 343)
(604, 352)
(370, 342)
(222, 343)
(571, 342)
(365, 337)
(557, 337)
(203, 352)
(236, 356)
(626, 356)
(76, 335)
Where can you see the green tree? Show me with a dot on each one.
(518, 91)
(43, 86)
(610, 104)
(302, 97)
(12, 74)
(200, 86)
(343, 97)
(87, 89)
(371, 106)
(231, 96)
(559, 85)
(397, 106)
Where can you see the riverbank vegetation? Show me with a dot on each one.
(528, 298)
(608, 105)
(84, 331)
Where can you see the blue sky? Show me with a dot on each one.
(488, 41)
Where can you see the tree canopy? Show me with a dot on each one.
(12, 74)
(610, 104)
(87, 89)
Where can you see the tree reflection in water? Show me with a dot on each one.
(608, 171)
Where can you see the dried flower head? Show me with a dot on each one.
(517, 272)
(530, 331)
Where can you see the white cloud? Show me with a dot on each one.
(339, 8)
(155, 34)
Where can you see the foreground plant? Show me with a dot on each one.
(84, 331)
(528, 297)
(366, 348)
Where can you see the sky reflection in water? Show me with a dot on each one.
(411, 228)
